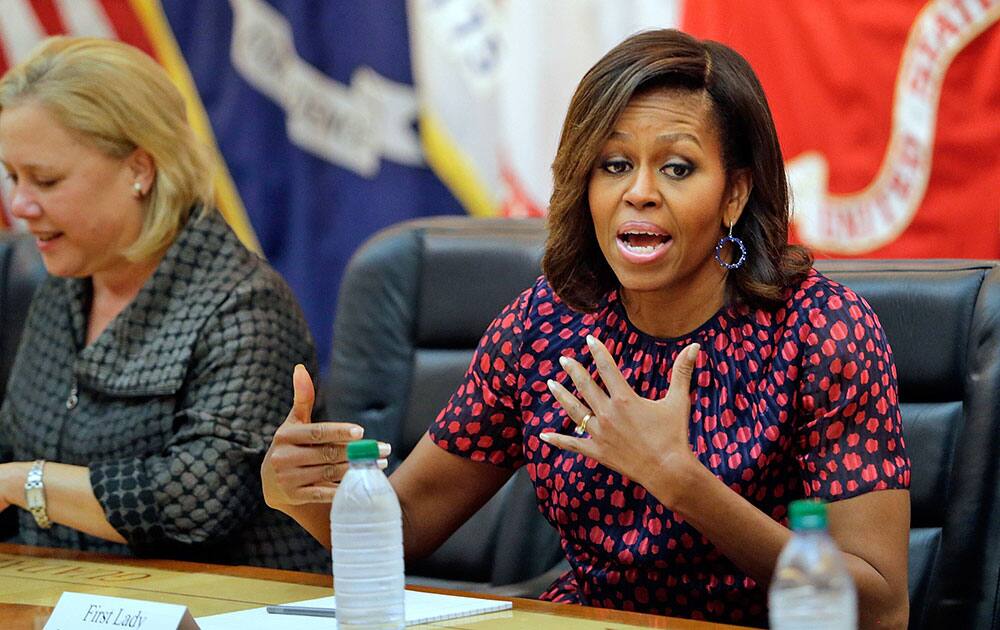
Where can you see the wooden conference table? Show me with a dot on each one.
(32, 579)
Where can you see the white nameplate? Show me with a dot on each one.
(76, 611)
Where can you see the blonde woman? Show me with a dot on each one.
(155, 356)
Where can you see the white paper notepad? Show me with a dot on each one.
(420, 608)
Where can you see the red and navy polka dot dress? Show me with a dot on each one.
(796, 402)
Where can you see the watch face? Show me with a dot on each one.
(33, 488)
(35, 497)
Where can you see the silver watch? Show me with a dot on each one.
(34, 494)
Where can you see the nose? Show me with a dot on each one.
(23, 205)
(642, 192)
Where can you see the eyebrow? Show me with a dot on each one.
(27, 167)
(667, 138)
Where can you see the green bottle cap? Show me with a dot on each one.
(362, 449)
(807, 514)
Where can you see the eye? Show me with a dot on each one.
(677, 170)
(46, 183)
(616, 166)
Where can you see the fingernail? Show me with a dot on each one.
(543, 437)
(551, 383)
(695, 349)
(591, 341)
(357, 432)
(563, 361)
(384, 449)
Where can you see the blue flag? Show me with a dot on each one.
(313, 110)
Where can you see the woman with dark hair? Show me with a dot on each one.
(574, 262)
(678, 375)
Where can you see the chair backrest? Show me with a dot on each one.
(21, 271)
(417, 297)
(942, 319)
(414, 301)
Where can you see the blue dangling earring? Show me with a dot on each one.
(735, 240)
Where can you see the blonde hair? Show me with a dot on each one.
(119, 99)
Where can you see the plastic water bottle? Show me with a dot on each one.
(811, 587)
(367, 535)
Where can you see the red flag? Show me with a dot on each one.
(888, 114)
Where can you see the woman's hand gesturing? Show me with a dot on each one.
(640, 438)
(307, 460)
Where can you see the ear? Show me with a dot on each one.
(740, 185)
(142, 169)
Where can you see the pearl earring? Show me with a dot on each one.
(137, 187)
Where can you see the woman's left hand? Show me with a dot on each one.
(640, 438)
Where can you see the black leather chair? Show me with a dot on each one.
(942, 318)
(413, 303)
(417, 297)
(21, 272)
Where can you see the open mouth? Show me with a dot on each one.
(643, 242)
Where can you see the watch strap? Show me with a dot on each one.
(34, 494)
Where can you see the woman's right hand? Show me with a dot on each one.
(307, 460)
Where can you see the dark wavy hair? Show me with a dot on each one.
(573, 262)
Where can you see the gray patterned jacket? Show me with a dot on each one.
(171, 408)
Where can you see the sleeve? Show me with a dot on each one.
(849, 435)
(206, 481)
(482, 419)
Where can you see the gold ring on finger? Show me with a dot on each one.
(582, 427)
